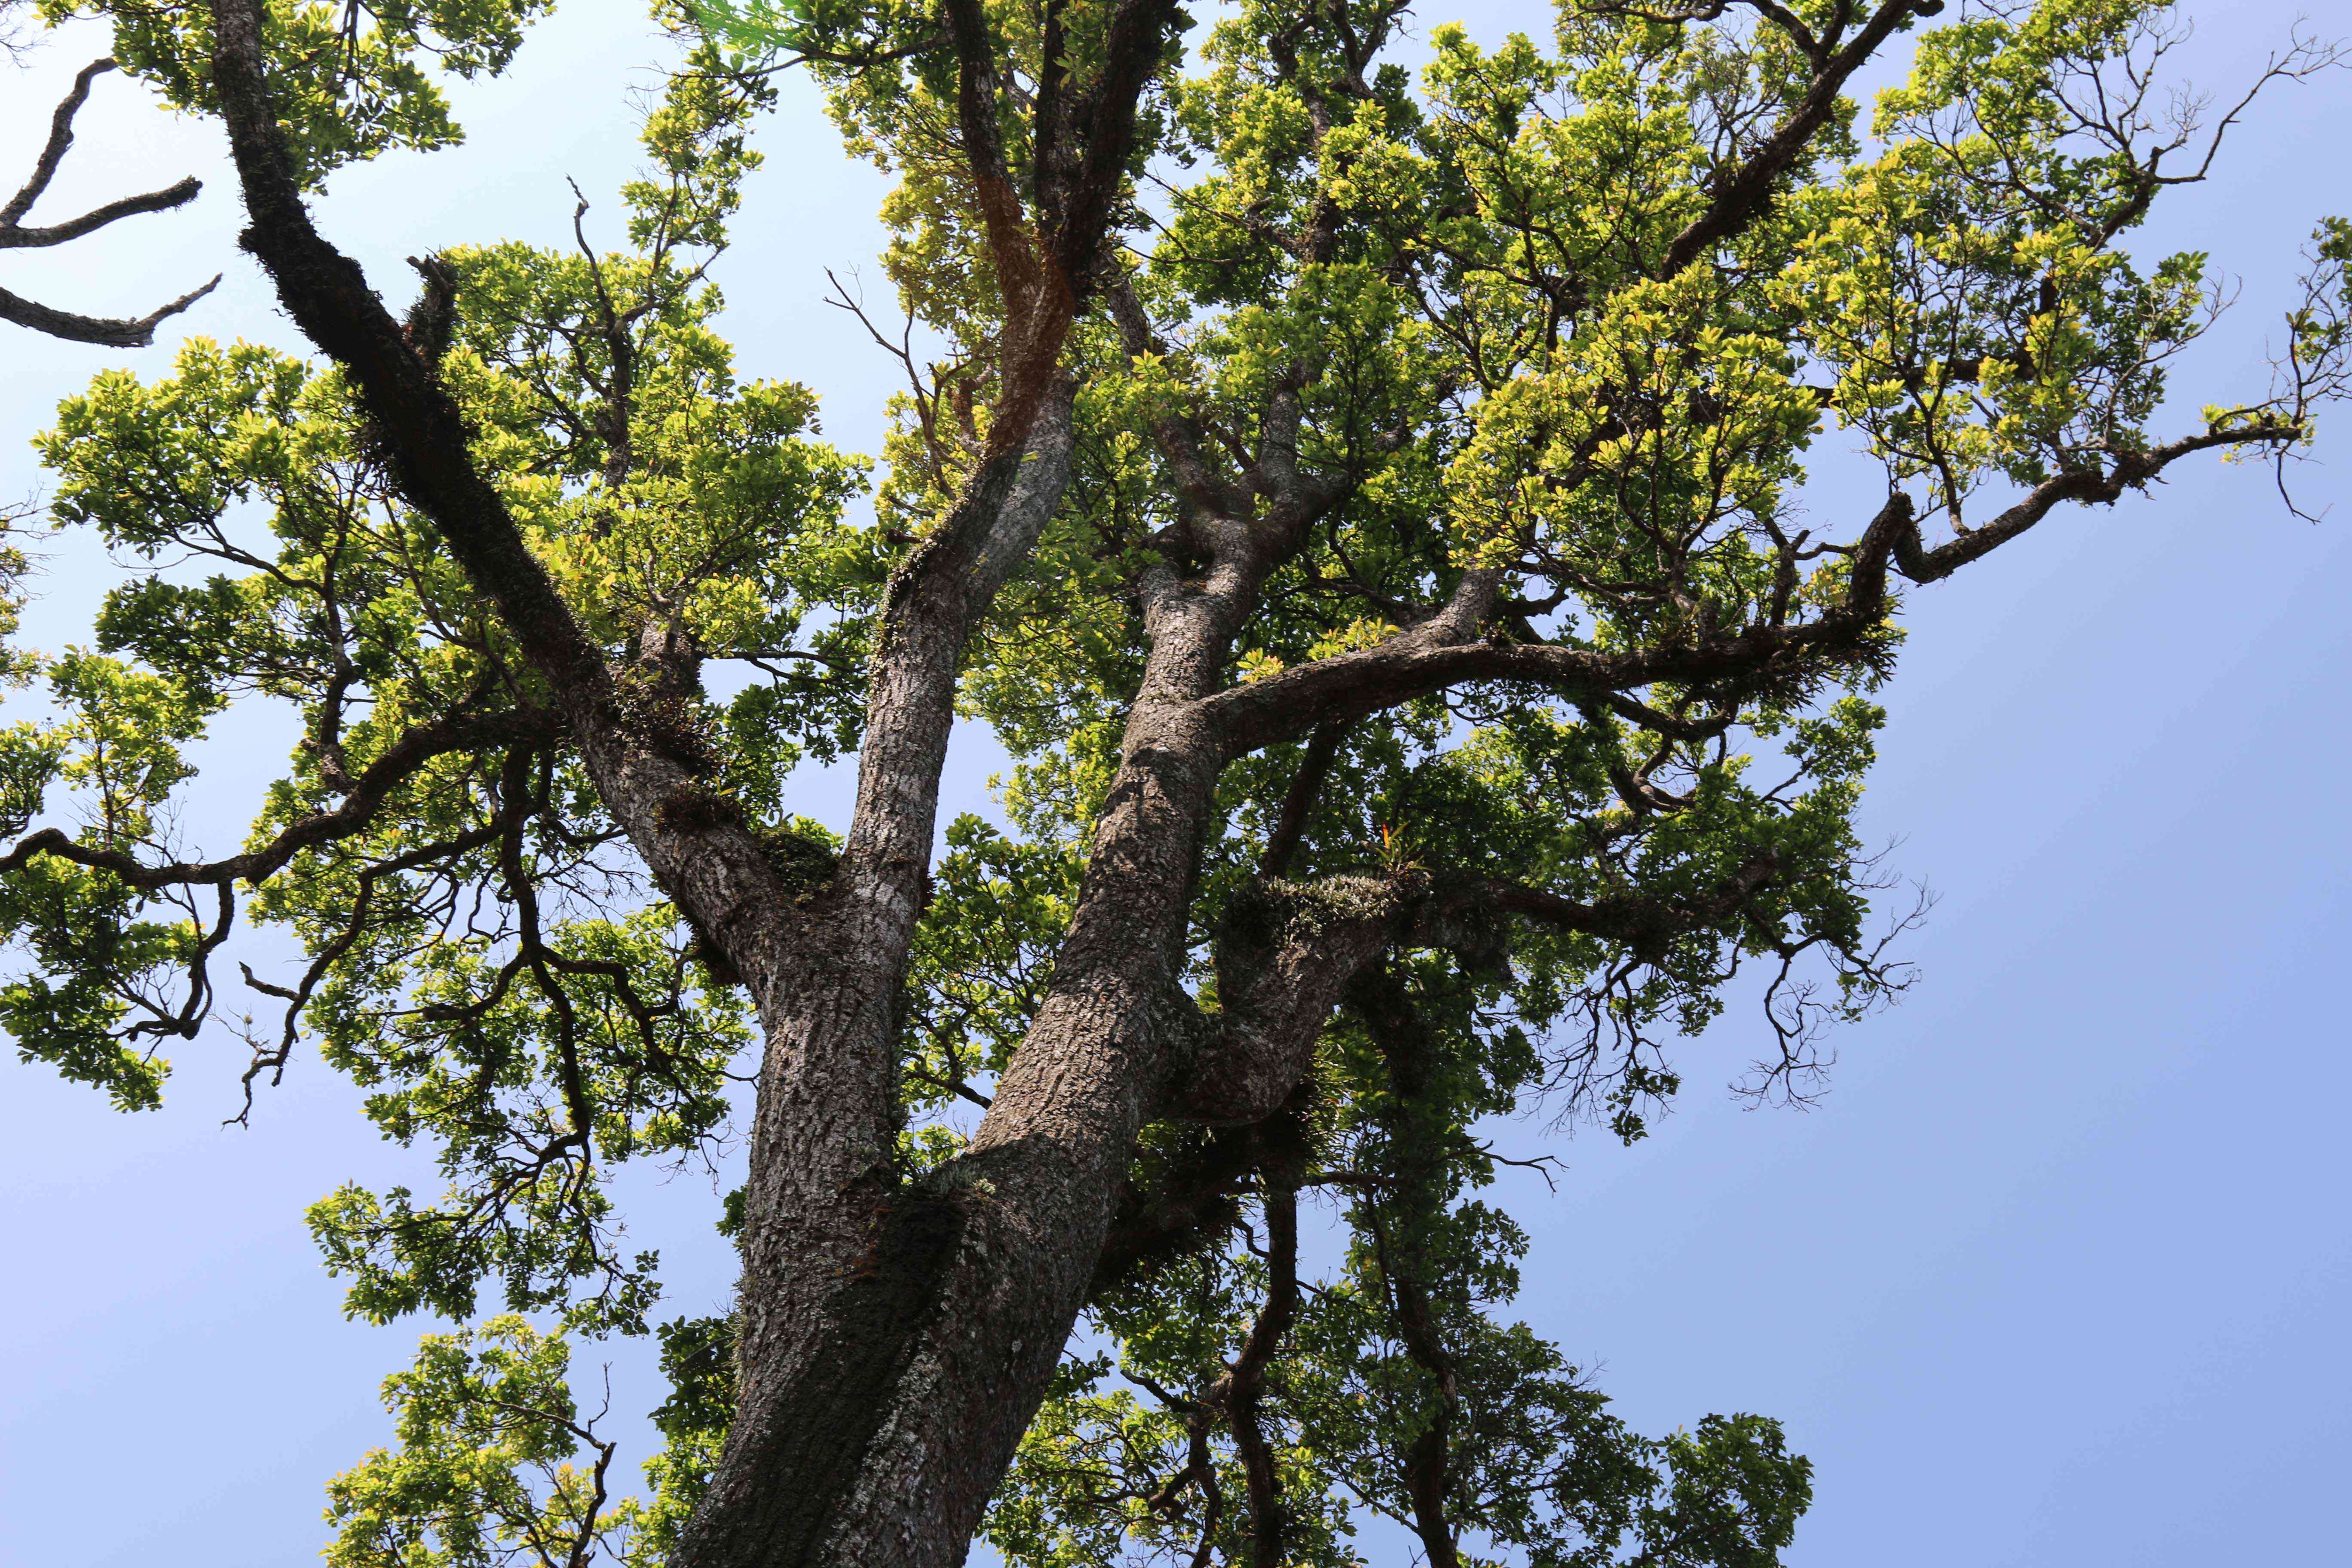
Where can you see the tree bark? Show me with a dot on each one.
(130, 332)
(897, 1335)
(844, 1264)
(942, 1341)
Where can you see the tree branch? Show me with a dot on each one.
(135, 332)
(110, 331)
(693, 840)
(1298, 801)
(1446, 651)
(1384, 1005)
(356, 814)
(1743, 196)
(1643, 925)
(1285, 957)
(1242, 1391)
(1905, 547)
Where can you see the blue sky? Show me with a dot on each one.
(2056, 1274)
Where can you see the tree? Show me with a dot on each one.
(14, 236)
(1369, 511)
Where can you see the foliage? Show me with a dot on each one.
(348, 78)
(1490, 325)
(479, 1412)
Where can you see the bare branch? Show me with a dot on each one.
(134, 333)
(110, 331)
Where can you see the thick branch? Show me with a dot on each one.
(1743, 194)
(696, 846)
(1446, 651)
(1298, 801)
(135, 332)
(1286, 957)
(14, 237)
(1436, 655)
(1081, 149)
(328, 295)
(1199, 486)
(1081, 214)
(977, 87)
(1914, 560)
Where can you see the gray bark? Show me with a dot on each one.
(898, 1336)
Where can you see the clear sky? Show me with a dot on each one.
(2059, 1272)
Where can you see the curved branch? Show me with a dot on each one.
(358, 812)
(693, 840)
(1242, 1390)
(14, 237)
(134, 332)
(272, 1058)
(1285, 958)
(124, 332)
(1448, 650)
(1910, 555)
(1741, 196)
(61, 138)
(1439, 655)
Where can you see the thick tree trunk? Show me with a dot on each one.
(878, 1418)
(844, 1265)
(898, 1336)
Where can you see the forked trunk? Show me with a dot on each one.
(887, 1379)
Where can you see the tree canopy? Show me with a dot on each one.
(1379, 514)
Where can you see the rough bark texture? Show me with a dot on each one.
(896, 1338)
(897, 1335)
(844, 1266)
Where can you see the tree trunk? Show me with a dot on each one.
(882, 1399)
(898, 1336)
(890, 1374)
